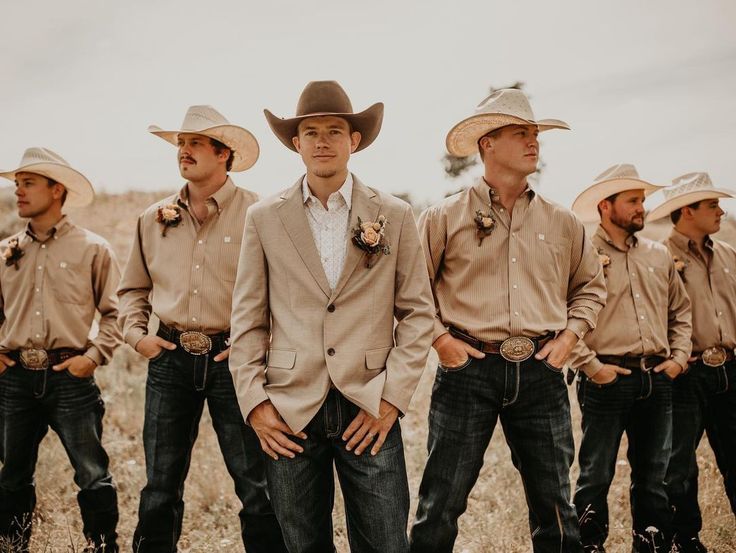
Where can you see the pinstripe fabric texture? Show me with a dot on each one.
(187, 276)
(647, 310)
(536, 272)
(711, 283)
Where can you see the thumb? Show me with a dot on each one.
(62, 366)
(622, 370)
(470, 350)
(545, 351)
(166, 344)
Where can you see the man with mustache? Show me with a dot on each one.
(628, 363)
(182, 269)
(704, 398)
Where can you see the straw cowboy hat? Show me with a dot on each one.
(685, 190)
(44, 162)
(619, 178)
(321, 98)
(207, 121)
(507, 106)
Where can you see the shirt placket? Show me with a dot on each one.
(719, 307)
(642, 320)
(38, 331)
(196, 288)
(513, 222)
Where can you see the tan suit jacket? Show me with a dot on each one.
(293, 337)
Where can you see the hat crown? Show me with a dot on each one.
(689, 182)
(619, 171)
(507, 101)
(199, 118)
(323, 97)
(36, 155)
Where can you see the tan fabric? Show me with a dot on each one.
(647, 311)
(50, 301)
(535, 273)
(710, 282)
(283, 328)
(189, 273)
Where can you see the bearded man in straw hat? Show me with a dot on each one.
(704, 398)
(322, 372)
(628, 364)
(516, 284)
(182, 268)
(54, 277)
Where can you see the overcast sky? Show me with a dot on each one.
(651, 83)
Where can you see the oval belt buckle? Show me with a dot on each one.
(34, 359)
(517, 349)
(195, 343)
(714, 357)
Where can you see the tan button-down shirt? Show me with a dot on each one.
(647, 311)
(187, 276)
(710, 281)
(50, 300)
(330, 226)
(535, 273)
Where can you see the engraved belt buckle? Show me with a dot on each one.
(714, 357)
(517, 349)
(34, 359)
(195, 343)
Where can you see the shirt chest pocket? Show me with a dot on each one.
(550, 257)
(71, 282)
(227, 258)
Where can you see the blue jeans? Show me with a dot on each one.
(178, 385)
(704, 400)
(531, 400)
(639, 404)
(374, 488)
(30, 403)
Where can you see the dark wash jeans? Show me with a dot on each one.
(531, 400)
(30, 403)
(704, 400)
(374, 488)
(639, 404)
(178, 385)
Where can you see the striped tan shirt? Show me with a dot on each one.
(61, 280)
(647, 311)
(710, 281)
(535, 273)
(187, 276)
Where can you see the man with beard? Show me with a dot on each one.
(704, 398)
(628, 363)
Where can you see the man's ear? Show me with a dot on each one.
(354, 140)
(295, 142)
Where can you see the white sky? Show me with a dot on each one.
(652, 83)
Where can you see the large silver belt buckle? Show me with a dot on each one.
(516, 349)
(195, 343)
(714, 357)
(34, 359)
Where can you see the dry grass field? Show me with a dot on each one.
(496, 520)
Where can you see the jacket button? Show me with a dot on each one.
(331, 352)
(331, 307)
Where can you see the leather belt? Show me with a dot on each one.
(715, 356)
(38, 359)
(516, 348)
(195, 342)
(645, 363)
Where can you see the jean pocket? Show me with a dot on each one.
(551, 367)
(158, 356)
(456, 369)
(78, 378)
(605, 385)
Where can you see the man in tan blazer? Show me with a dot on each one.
(320, 370)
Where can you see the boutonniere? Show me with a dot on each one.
(605, 260)
(12, 253)
(680, 266)
(370, 237)
(485, 222)
(168, 216)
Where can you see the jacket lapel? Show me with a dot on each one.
(294, 218)
(365, 205)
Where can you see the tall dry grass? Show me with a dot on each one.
(496, 520)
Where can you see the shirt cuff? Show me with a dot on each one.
(679, 357)
(579, 327)
(134, 336)
(592, 367)
(439, 329)
(94, 354)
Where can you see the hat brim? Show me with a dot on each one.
(79, 191)
(367, 122)
(462, 140)
(585, 205)
(243, 144)
(668, 206)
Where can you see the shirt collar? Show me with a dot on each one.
(59, 229)
(685, 243)
(486, 192)
(346, 190)
(632, 241)
(218, 200)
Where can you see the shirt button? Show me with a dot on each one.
(636, 295)
(38, 289)
(196, 266)
(513, 260)
(200, 242)
(38, 313)
(516, 313)
(514, 286)
(38, 335)
(726, 270)
(194, 291)
(633, 274)
(194, 319)
(43, 246)
(641, 317)
(40, 268)
(331, 308)
(720, 313)
(331, 352)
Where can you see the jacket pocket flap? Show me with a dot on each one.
(376, 358)
(281, 358)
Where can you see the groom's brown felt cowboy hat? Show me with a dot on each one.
(323, 98)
